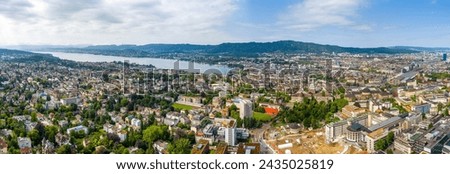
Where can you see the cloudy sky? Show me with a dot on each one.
(361, 23)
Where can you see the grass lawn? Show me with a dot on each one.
(262, 116)
(182, 107)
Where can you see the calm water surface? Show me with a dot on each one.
(157, 62)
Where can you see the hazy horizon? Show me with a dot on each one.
(22, 46)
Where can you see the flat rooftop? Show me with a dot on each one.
(376, 133)
(221, 148)
(249, 148)
(200, 147)
(385, 123)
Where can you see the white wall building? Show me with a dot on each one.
(136, 123)
(230, 136)
(78, 128)
(68, 101)
(245, 108)
(122, 135)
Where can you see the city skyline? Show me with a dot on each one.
(356, 23)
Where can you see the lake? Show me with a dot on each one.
(157, 62)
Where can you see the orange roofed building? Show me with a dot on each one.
(271, 111)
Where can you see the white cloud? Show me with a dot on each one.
(15, 8)
(311, 14)
(113, 21)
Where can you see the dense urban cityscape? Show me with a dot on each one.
(228, 86)
(271, 103)
(225, 77)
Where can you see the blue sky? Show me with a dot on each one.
(374, 23)
(358, 23)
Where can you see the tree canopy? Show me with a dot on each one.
(312, 113)
(154, 132)
(180, 146)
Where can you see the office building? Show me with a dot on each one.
(230, 136)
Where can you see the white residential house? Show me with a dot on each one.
(160, 147)
(108, 128)
(122, 135)
(136, 124)
(68, 101)
(24, 142)
(77, 129)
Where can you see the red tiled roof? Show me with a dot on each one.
(25, 150)
(271, 111)
(3, 144)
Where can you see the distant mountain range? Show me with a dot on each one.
(249, 49)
